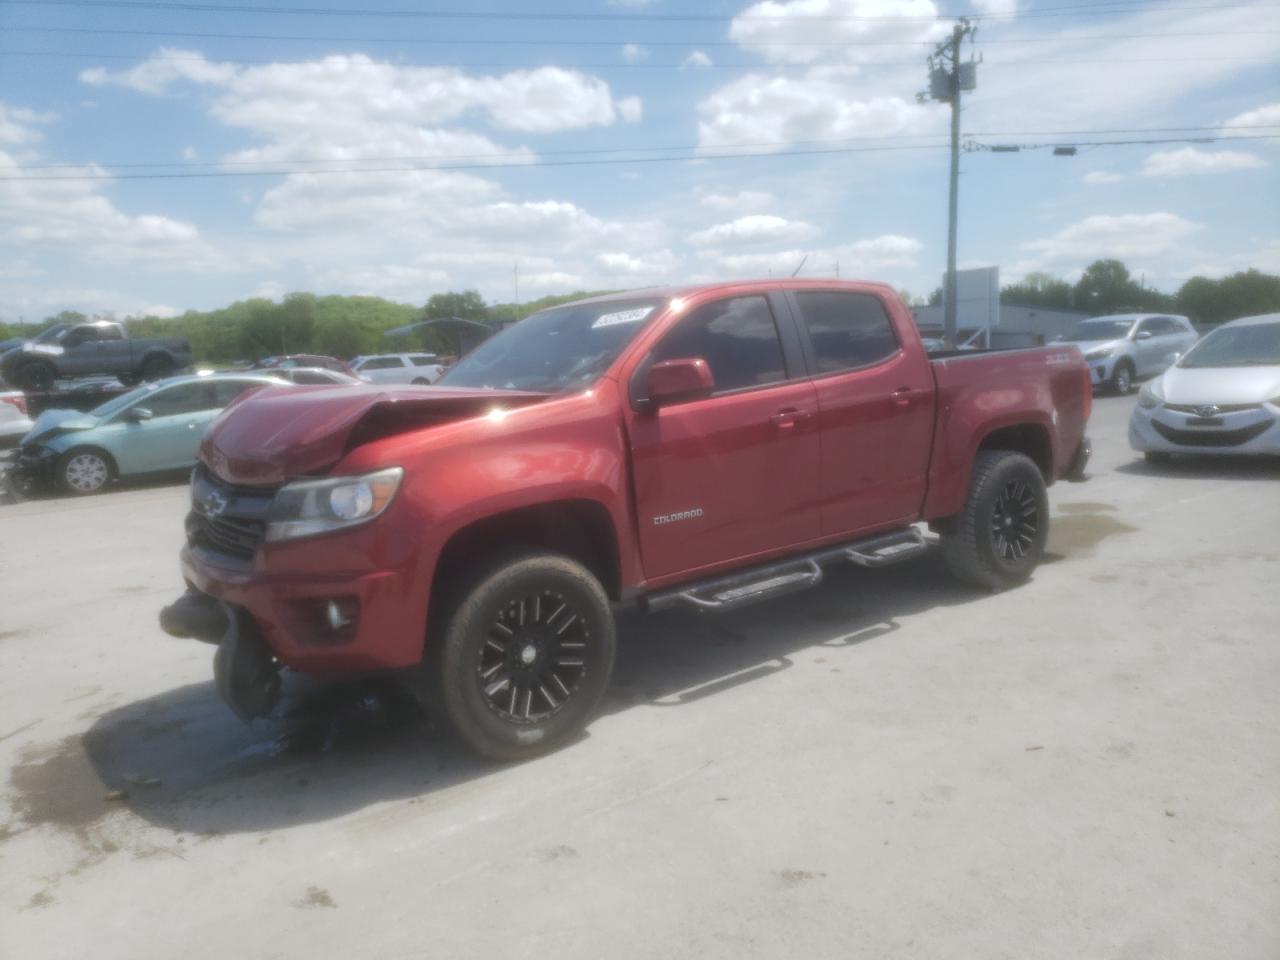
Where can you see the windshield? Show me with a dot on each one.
(564, 348)
(1100, 329)
(125, 399)
(1257, 345)
(53, 333)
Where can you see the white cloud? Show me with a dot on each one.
(654, 266)
(631, 109)
(634, 53)
(351, 92)
(1121, 236)
(73, 219)
(1189, 160)
(754, 229)
(18, 125)
(861, 258)
(760, 109)
(741, 202)
(1095, 177)
(697, 59)
(805, 31)
(1267, 116)
(997, 8)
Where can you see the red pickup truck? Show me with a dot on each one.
(702, 447)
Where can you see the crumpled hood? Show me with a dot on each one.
(51, 423)
(275, 434)
(1220, 385)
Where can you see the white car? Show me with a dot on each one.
(1222, 397)
(398, 368)
(313, 376)
(1127, 346)
(14, 422)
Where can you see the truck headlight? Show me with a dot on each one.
(1150, 396)
(1099, 353)
(306, 508)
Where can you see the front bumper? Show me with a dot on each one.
(1100, 370)
(1160, 429)
(33, 467)
(288, 605)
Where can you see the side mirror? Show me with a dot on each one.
(138, 414)
(671, 381)
(1142, 335)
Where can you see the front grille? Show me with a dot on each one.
(1210, 437)
(1195, 408)
(228, 535)
(227, 520)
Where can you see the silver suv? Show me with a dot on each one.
(1124, 347)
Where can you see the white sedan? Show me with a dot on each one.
(1223, 397)
(398, 368)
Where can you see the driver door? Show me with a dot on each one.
(170, 439)
(732, 475)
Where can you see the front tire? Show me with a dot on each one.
(1121, 379)
(999, 537)
(37, 376)
(525, 657)
(84, 471)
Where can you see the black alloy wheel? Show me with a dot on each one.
(1015, 521)
(521, 653)
(533, 659)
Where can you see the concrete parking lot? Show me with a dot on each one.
(889, 766)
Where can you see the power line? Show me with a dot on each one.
(1092, 8)
(528, 159)
(683, 44)
(609, 161)
(619, 65)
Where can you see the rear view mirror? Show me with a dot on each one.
(1142, 335)
(138, 414)
(671, 381)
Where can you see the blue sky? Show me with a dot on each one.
(104, 93)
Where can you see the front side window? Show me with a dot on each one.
(224, 391)
(738, 338)
(847, 330)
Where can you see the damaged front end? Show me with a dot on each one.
(245, 672)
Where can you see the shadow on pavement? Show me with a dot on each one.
(184, 763)
(1217, 467)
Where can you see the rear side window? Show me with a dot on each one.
(736, 337)
(224, 391)
(312, 377)
(422, 360)
(179, 399)
(847, 330)
(382, 363)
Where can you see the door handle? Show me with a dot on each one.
(903, 396)
(787, 419)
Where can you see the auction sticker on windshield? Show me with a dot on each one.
(622, 316)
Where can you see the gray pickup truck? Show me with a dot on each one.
(86, 349)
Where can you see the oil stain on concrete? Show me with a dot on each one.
(1080, 527)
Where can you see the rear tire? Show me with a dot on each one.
(83, 471)
(999, 537)
(156, 368)
(1121, 381)
(525, 656)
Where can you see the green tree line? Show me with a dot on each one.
(1107, 286)
(336, 326)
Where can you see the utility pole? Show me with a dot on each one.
(515, 274)
(948, 77)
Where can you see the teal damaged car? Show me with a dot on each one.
(154, 429)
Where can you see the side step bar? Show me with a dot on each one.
(788, 576)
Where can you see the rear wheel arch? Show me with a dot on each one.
(1029, 439)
